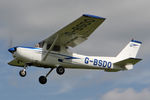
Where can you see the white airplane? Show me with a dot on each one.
(53, 51)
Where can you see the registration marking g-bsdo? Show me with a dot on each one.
(98, 62)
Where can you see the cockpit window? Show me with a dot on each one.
(41, 44)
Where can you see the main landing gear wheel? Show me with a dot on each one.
(22, 73)
(42, 79)
(60, 70)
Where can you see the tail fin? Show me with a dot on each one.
(130, 51)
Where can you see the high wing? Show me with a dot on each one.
(74, 33)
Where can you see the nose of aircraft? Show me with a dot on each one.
(12, 50)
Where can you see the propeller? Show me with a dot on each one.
(11, 49)
(10, 42)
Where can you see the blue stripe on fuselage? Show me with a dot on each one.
(29, 47)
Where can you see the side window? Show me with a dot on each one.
(55, 48)
(48, 46)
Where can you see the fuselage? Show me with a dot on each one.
(34, 56)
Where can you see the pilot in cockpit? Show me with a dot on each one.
(37, 46)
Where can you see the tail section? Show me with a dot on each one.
(127, 57)
(130, 51)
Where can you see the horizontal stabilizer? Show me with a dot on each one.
(127, 62)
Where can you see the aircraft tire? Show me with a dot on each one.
(42, 79)
(60, 70)
(22, 73)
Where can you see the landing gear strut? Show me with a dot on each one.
(23, 72)
(43, 79)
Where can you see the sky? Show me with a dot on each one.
(30, 21)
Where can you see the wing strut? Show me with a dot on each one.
(50, 49)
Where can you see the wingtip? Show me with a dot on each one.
(93, 16)
(136, 41)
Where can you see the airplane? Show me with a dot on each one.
(53, 52)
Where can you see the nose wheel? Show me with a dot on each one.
(22, 73)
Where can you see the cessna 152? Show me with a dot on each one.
(53, 51)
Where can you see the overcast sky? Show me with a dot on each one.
(30, 21)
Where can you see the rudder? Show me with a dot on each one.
(130, 51)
